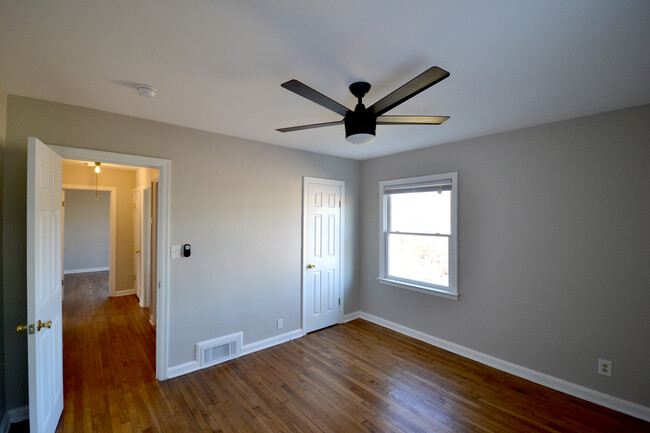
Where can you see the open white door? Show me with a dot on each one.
(44, 342)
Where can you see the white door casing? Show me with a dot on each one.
(162, 245)
(62, 238)
(154, 252)
(146, 247)
(138, 286)
(322, 253)
(44, 249)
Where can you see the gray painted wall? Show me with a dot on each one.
(238, 202)
(554, 242)
(87, 229)
(3, 128)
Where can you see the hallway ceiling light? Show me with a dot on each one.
(97, 170)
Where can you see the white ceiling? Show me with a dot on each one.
(218, 65)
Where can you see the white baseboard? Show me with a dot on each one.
(270, 342)
(181, 369)
(189, 367)
(85, 270)
(627, 407)
(19, 414)
(122, 293)
(351, 316)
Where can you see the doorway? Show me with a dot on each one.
(161, 265)
(44, 268)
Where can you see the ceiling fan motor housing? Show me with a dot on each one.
(360, 121)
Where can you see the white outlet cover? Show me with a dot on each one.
(280, 323)
(605, 367)
(176, 251)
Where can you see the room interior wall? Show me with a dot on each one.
(3, 129)
(87, 230)
(553, 249)
(124, 181)
(144, 176)
(237, 202)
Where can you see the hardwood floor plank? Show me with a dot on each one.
(355, 377)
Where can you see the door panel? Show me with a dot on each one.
(44, 251)
(322, 270)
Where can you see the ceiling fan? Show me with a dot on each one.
(360, 124)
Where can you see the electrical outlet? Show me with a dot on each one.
(280, 323)
(605, 367)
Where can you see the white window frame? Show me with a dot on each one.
(450, 292)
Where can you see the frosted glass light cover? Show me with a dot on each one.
(361, 138)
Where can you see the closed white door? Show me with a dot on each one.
(322, 248)
(44, 339)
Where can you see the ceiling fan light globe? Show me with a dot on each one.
(361, 138)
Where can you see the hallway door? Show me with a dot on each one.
(44, 339)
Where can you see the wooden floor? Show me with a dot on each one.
(356, 377)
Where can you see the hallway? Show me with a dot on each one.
(108, 355)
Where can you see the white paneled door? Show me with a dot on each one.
(322, 253)
(44, 237)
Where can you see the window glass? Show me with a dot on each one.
(418, 234)
(419, 258)
(420, 212)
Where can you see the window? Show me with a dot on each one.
(418, 234)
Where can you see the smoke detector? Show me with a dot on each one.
(146, 90)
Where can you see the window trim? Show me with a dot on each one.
(452, 291)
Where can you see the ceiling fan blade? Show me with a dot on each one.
(312, 126)
(411, 120)
(418, 84)
(307, 92)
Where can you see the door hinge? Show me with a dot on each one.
(62, 204)
(133, 205)
(339, 301)
(339, 203)
(133, 277)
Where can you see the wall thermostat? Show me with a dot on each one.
(187, 250)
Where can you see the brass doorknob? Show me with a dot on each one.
(40, 325)
(311, 266)
(21, 328)
(137, 251)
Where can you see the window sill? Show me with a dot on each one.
(418, 288)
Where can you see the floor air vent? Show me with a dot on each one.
(218, 350)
